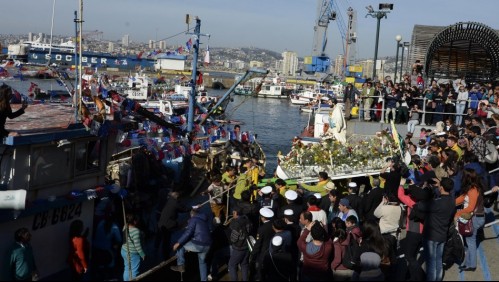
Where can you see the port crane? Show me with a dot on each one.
(319, 63)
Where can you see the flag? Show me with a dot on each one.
(396, 138)
(188, 44)
(16, 98)
(207, 56)
(32, 87)
(140, 55)
(180, 50)
(102, 88)
(199, 81)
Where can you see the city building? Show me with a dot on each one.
(110, 47)
(162, 45)
(256, 64)
(125, 40)
(289, 63)
(151, 44)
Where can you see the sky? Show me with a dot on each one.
(277, 25)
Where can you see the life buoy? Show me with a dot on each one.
(203, 99)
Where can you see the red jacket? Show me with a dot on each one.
(77, 255)
(315, 265)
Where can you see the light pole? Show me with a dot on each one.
(398, 38)
(384, 9)
(402, 59)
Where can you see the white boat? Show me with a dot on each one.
(277, 91)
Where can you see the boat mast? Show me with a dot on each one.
(51, 33)
(80, 51)
(77, 80)
(192, 100)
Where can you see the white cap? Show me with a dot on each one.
(288, 212)
(291, 195)
(277, 241)
(318, 195)
(329, 186)
(266, 190)
(441, 133)
(266, 212)
(352, 184)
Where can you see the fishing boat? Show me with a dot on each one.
(244, 90)
(276, 91)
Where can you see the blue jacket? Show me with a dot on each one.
(391, 100)
(197, 231)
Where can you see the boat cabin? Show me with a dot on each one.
(51, 171)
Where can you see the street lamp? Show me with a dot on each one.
(384, 8)
(398, 38)
(406, 44)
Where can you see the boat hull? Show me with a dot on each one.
(91, 59)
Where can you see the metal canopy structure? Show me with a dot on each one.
(465, 49)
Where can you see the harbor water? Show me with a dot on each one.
(274, 121)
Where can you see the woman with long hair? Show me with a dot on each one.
(78, 250)
(132, 252)
(472, 200)
(6, 110)
(373, 249)
(340, 243)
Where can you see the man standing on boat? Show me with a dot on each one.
(349, 96)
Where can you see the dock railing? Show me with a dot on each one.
(423, 111)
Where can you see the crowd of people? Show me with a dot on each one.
(404, 101)
(370, 228)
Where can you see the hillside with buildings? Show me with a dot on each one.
(286, 63)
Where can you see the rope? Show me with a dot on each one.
(154, 269)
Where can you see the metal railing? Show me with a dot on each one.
(423, 111)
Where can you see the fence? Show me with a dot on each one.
(423, 111)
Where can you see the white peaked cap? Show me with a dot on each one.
(266, 212)
(277, 241)
(288, 212)
(291, 195)
(318, 195)
(266, 190)
(352, 184)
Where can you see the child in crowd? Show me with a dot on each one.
(215, 190)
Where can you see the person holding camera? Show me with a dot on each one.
(391, 172)
(413, 118)
(6, 110)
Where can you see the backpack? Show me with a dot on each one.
(240, 231)
(351, 249)
(453, 249)
(491, 154)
